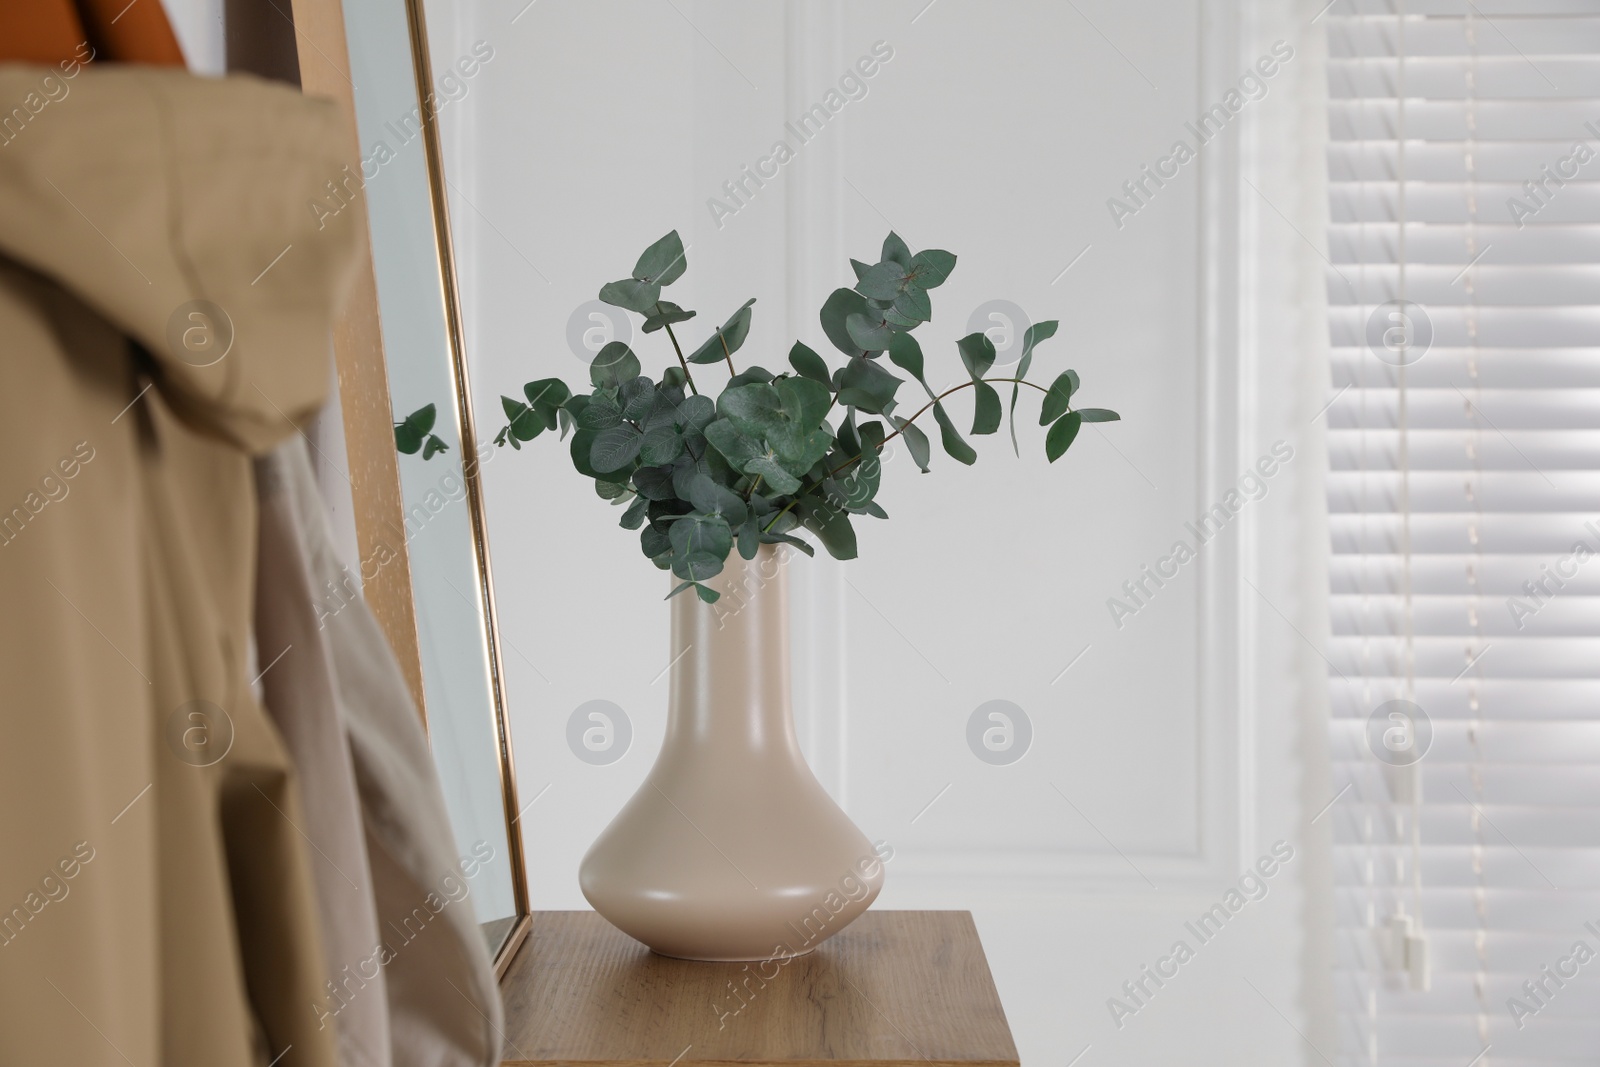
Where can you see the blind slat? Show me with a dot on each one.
(1464, 180)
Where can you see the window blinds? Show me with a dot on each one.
(1464, 499)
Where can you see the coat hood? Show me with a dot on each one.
(178, 208)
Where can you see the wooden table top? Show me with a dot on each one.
(895, 987)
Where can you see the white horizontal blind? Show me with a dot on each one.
(1463, 467)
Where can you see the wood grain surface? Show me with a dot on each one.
(896, 987)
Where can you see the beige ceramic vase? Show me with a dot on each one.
(731, 850)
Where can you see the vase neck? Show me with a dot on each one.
(730, 669)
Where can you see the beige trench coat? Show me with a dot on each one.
(155, 895)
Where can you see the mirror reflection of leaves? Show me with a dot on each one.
(699, 477)
(413, 433)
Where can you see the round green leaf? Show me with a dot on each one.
(613, 365)
(615, 448)
(631, 293)
(663, 262)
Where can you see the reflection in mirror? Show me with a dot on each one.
(398, 184)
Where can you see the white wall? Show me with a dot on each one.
(1181, 745)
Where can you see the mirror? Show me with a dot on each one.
(401, 186)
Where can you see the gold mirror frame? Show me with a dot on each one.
(368, 417)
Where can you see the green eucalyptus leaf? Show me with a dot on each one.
(1058, 399)
(653, 541)
(906, 354)
(663, 262)
(840, 305)
(929, 269)
(695, 413)
(654, 482)
(749, 538)
(1098, 415)
(631, 293)
(804, 401)
(665, 313)
(525, 422)
(782, 523)
(726, 340)
(582, 444)
(895, 250)
(704, 592)
(633, 518)
(798, 450)
(986, 409)
(601, 413)
(663, 411)
(848, 436)
(422, 419)
(547, 395)
(898, 321)
(1039, 331)
(954, 445)
(859, 267)
(608, 490)
(1061, 435)
(833, 529)
(916, 442)
(868, 332)
(1035, 333)
(912, 306)
(871, 436)
(713, 499)
(755, 409)
(406, 439)
(613, 365)
(883, 281)
(735, 447)
(433, 446)
(750, 376)
(771, 473)
(808, 364)
(977, 353)
(637, 396)
(660, 446)
(615, 448)
(698, 535)
(770, 537)
(866, 385)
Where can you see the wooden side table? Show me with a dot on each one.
(896, 987)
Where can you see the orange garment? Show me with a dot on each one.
(57, 31)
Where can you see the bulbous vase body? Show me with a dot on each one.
(731, 849)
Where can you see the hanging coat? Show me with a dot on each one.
(166, 299)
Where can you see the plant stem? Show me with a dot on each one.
(681, 361)
(922, 411)
(725, 353)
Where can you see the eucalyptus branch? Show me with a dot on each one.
(684, 463)
(920, 412)
(924, 409)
